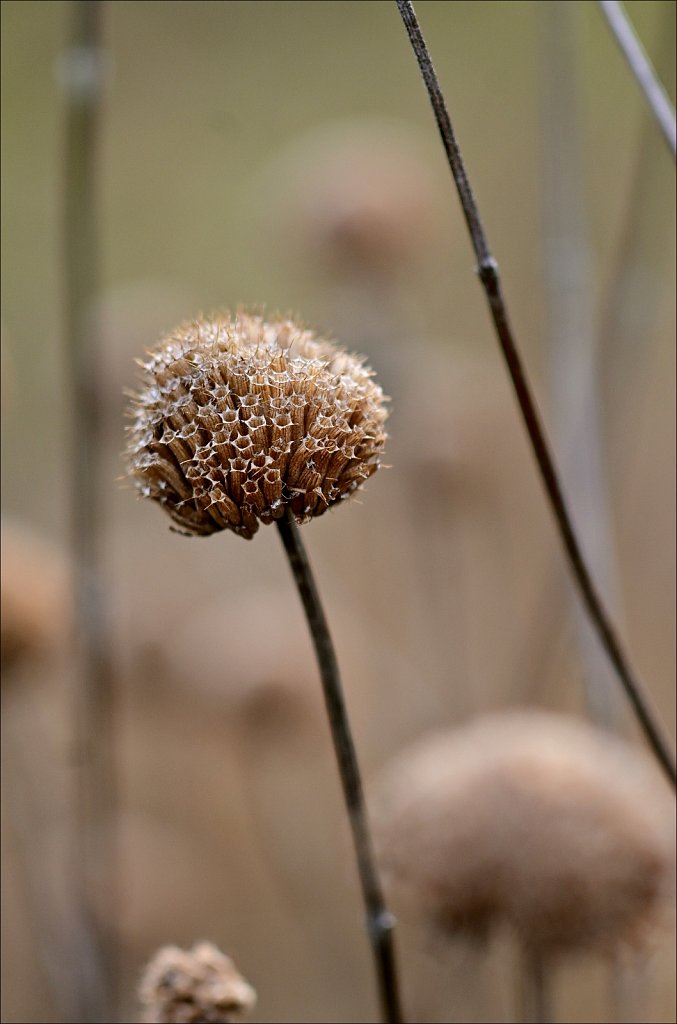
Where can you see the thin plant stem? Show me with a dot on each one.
(24, 802)
(632, 297)
(536, 1000)
(642, 69)
(628, 989)
(81, 73)
(380, 922)
(488, 272)
(571, 338)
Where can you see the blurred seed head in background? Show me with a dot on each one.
(533, 820)
(353, 197)
(37, 603)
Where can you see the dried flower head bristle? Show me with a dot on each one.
(188, 986)
(239, 418)
(533, 820)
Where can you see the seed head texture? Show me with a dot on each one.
(191, 986)
(238, 419)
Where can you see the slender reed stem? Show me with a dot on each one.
(92, 865)
(24, 802)
(633, 298)
(536, 998)
(489, 276)
(642, 69)
(380, 923)
(628, 989)
(571, 338)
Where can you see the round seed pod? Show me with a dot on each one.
(238, 419)
(532, 820)
(191, 986)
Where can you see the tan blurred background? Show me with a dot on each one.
(284, 154)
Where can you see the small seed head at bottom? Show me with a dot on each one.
(187, 986)
(238, 419)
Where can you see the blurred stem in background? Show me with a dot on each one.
(25, 799)
(571, 338)
(82, 73)
(633, 296)
(572, 345)
(629, 312)
(380, 923)
(535, 996)
(642, 69)
(488, 272)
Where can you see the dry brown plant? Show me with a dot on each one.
(242, 421)
(533, 820)
(239, 419)
(191, 986)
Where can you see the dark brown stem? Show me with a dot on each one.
(81, 73)
(380, 923)
(489, 276)
(642, 69)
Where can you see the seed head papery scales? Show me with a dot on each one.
(239, 418)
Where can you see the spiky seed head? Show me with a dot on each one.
(197, 985)
(533, 820)
(239, 418)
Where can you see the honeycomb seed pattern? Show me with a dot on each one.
(238, 419)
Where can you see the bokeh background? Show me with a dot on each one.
(284, 155)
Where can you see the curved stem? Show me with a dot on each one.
(379, 922)
(642, 69)
(489, 276)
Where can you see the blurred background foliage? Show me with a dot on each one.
(284, 154)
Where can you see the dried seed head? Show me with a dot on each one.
(534, 820)
(239, 419)
(190, 986)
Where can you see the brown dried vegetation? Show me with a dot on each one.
(533, 820)
(239, 419)
(187, 986)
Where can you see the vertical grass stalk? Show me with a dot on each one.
(92, 864)
(572, 343)
(536, 1001)
(379, 922)
(642, 69)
